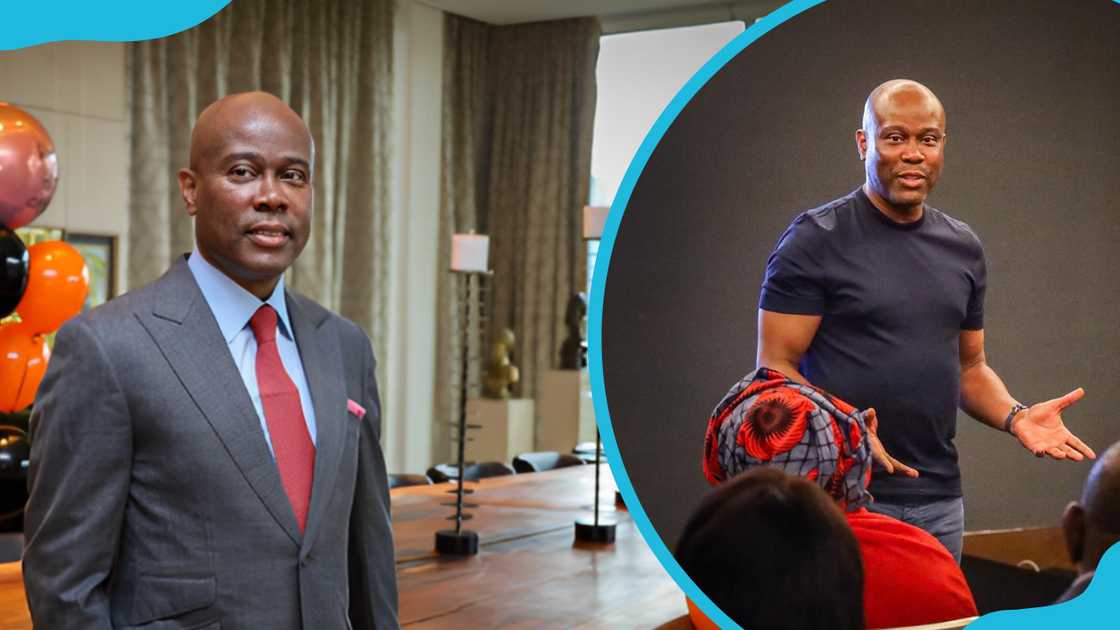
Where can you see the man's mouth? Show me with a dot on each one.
(269, 235)
(912, 178)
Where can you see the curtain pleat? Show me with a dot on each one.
(518, 109)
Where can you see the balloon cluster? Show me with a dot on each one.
(45, 284)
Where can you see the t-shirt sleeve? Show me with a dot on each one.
(794, 281)
(974, 318)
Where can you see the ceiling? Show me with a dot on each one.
(517, 11)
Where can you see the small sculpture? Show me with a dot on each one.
(501, 374)
(573, 352)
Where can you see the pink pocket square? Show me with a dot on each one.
(356, 409)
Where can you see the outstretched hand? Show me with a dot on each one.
(1041, 431)
(892, 465)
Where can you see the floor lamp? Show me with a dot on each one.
(595, 530)
(469, 257)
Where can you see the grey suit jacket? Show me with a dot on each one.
(155, 502)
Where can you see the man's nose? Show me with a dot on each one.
(913, 152)
(270, 196)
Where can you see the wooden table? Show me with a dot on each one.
(528, 573)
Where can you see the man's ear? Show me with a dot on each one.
(861, 144)
(188, 188)
(1073, 529)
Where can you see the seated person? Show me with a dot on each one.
(774, 553)
(768, 420)
(1092, 525)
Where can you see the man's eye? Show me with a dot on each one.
(894, 137)
(241, 171)
(295, 176)
(931, 140)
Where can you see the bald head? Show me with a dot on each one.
(1101, 495)
(1092, 525)
(900, 92)
(227, 118)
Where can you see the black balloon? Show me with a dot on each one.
(15, 451)
(13, 271)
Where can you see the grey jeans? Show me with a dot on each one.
(942, 518)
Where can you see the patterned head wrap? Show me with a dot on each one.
(769, 420)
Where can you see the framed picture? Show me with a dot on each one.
(32, 235)
(100, 254)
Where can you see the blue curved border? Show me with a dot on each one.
(30, 23)
(1090, 606)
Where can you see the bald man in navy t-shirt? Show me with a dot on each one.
(878, 298)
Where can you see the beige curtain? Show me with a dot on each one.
(331, 60)
(519, 103)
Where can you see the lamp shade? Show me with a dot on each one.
(594, 218)
(470, 253)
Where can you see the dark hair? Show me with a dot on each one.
(774, 552)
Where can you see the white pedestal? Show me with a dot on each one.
(565, 415)
(506, 428)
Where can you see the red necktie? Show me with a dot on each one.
(283, 413)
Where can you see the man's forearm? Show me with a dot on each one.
(785, 367)
(984, 396)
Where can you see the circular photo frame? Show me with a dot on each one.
(766, 130)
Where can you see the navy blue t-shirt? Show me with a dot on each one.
(893, 299)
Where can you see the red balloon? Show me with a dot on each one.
(28, 167)
(23, 361)
(57, 284)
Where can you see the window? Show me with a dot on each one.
(637, 75)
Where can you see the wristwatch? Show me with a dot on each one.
(1011, 415)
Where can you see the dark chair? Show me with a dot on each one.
(586, 452)
(471, 472)
(399, 481)
(11, 547)
(999, 586)
(546, 460)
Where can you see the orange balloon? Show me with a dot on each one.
(57, 284)
(23, 361)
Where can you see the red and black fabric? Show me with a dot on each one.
(769, 420)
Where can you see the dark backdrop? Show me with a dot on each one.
(1032, 91)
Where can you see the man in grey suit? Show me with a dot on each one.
(205, 449)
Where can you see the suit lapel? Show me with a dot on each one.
(184, 328)
(322, 364)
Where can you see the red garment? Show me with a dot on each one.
(909, 578)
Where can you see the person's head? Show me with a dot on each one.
(769, 421)
(249, 188)
(902, 144)
(773, 551)
(1092, 524)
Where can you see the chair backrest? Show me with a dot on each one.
(483, 470)
(999, 586)
(441, 473)
(471, 471)
(11, 547)
(398, 481)
(546, 460)
(586, 452)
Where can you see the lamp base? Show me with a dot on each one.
(461, 543)
(588, 532)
